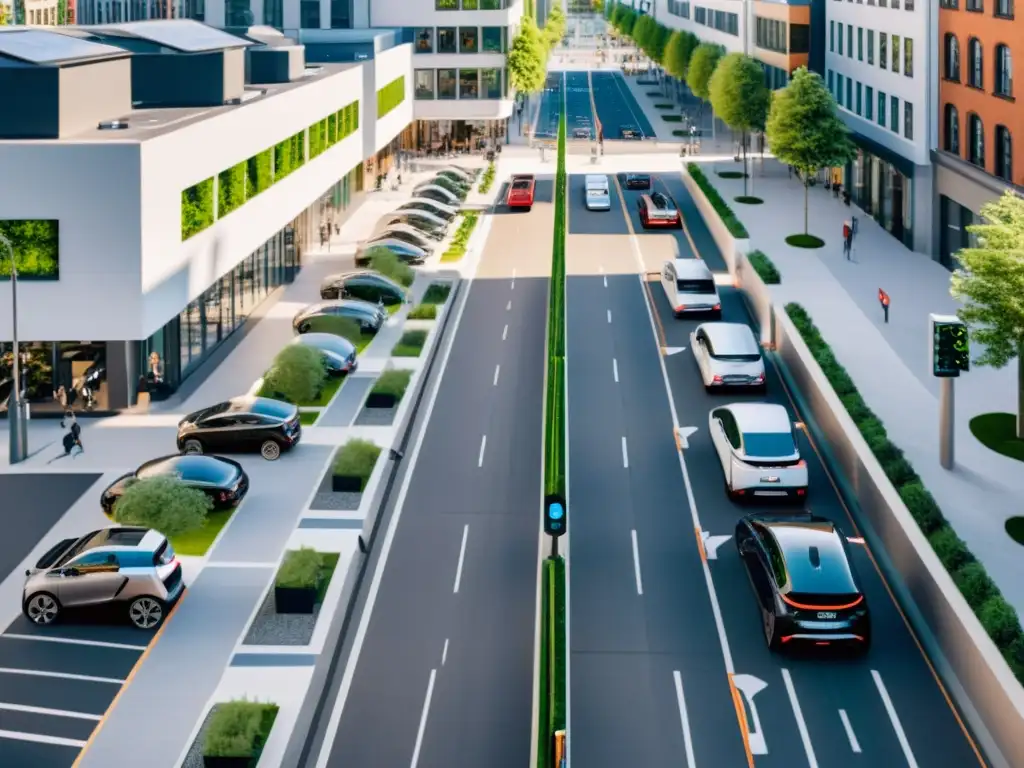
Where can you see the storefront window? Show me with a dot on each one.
(446, 80)
(490, 83)
(423, 80)
(447, 40)
(468, 39)
(469, 86)
(211, 335)
(493, 39)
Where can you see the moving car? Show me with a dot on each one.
(690, 287)
(364, 284)
(242, 424)
(598, 197)
(638, 181)
(223, 480)
(421, 238)
(134, 569)
(659, 210)
(433, 226)
(437, 193)
(758, 451)
(339, 354)
(368, 315)
(728, 355)
(804, 581)
(520, 191)
(630, 133)
(404, 251)
(441, 210)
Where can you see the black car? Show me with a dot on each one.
(638, 181)
(369, 316)
(223, 480)
(802, 575)
(430, 226)
(337, 352)
(362, 284)
(630, 133)
(445, 214)
(242, 424)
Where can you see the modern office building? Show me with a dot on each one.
(155, 195)
(725, 22)
(879, 67)
(981, 127)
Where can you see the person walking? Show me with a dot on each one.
(847, 239)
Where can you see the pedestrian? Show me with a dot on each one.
(76, 435)
(847, 239)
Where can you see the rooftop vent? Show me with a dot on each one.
(113, 125)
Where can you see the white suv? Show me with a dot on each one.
(758, 451)
(690, 287)
(727, 355)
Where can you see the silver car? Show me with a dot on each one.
(133, 568)
(728, 355)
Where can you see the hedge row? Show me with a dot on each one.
(554, 449)
(235, 186)
(996, 615)
(390, 96)
(764, 267)
(734, 225)
(487, 181)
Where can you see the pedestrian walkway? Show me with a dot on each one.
(890, 362)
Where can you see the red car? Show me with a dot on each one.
(658, 210)
(520, 191)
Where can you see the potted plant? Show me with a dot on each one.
(353, 466)
(236, 734)
(389, 389)
(298, 581)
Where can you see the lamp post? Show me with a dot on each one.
(17, 421)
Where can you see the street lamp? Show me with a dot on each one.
(17, 419)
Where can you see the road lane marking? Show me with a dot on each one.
(49, 712)
(483, 447)
(894, 719)
(508, 307)
(462, 559)
(444, 653)
(805, 737)
(40, 739)
(605, 281)
(73, 641)
(615, 370)
(700, 544)
(684, 720)
(497, 370)
(741, 717)
(504, 333)
(423, 720)
(747, 687)
(854, 744)
(513, 278)
(61, 676)
(636, 563)
(710, 544)
(609, 315)
(625, 454)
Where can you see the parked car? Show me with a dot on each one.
(438, 193)
(728, 355)
(362, 284)
(581, 133)
(630, 133)
(409, 234)
(223, 480)
(638, 181)
(440, 210)
(521, 191)
(757, 449)
(658, 210)
(368, 315)
(134, 569)
(690, 287)
(242, 424)
(597, 194)
(455, 173)
(339, 353)
(404, 251)
(424, 220)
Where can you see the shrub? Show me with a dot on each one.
(393, 382)
(736, 229)
(300, 569)
(460, 241)
(423, 312)
(951, 551)
(345, 327)
(297, 374)
(922, 506)
(356, 458)
(410, 345)
(764, 267)
(165, 504)
(239, 729)
(259, 173)
(385, 262)
(487, 181)
(332, 129)
(974, 584)
(197, 208)
(437, 293)
(1000, 620)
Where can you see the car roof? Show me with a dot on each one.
(596, 180)
(696, 269)
(321, 306)
(339, 277)
(735, 337)
(433, 204)
(327, 339)
(432, 217)
(761, 418)
(638, 175)
(401, 227)
(831, 573)
(431, 186)
(390, 242)
(199, 463)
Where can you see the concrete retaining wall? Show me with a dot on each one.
(730, 247)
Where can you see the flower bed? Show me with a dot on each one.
(487, 180)
(237, 732)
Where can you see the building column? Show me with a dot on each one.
(926, 210)
(121, 368)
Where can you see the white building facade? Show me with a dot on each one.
(724, 22)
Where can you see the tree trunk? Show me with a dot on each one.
(806, 203)
(1020, 390)
(744, 140)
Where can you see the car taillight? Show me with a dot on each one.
(680, 308)
(717, 379)
(801, 464)
(223, 496)
(760, 379)
(801, 491)
(806, 607)
(717, 307)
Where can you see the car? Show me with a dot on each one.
(638, 181)
(437, 193)
(659, 210)
(223, 480)
(630, 133)
(441, 210)
(804, 580)
(598, 197)
(122, 567)
(406, 252)
(581, 133)
(690, 288)
(369, 316)
(457, 174)
(757, 449)
(452, 182)
(728, 355)
(364, 284)
(242, 424)
(521, 190)
(421, 238)
(339, 354)
(421, 219)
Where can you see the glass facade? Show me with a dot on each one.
(79, 367)
(883, 192)
(954, 220)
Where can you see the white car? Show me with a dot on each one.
(437, 192)
(690, 287)
(727, 355)
(758, 451)
(598, 196)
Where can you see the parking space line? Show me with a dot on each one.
(894, 719)
(38, 738)
(609, 315)
(61, 675)
(684, 720)
(74, 641)
(49, 712)
(801, 725)
(854, 744)
(497, 372)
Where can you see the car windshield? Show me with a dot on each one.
(273, 408)
(695, 286)
(597, 193)
(203, 469)
(768, 445)
(521, 184)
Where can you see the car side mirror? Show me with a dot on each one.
(28, 571)
(70, 572)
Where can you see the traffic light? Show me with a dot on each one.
(555, 519)
(950, 346)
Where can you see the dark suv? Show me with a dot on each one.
(242, 424)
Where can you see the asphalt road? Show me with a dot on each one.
(616, 107)
(550, 109)
(624, 477)
(578, 110)
(445, 675)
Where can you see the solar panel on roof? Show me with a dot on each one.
(182, 35)
(41, 47)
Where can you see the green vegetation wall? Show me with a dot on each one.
(259, 173)
(231, 188)
(197, 208)
(36, 246)
(390, 96)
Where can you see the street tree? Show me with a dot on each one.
(527, 58)
(623, 20)
(641, 32)
(990, 283)
(554, 26)
(740, 97)
(658, 42)
(165, 504)
(702, 66)
(804, 131)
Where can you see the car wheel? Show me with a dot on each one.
(270, 450)
(146, 612)
(193, 446)
(770, 637)
(42, 609)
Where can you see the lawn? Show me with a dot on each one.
(308, 418)
(329, 562)
(198, 542)
(332, 385)
(998, 432)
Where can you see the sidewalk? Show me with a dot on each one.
(890, 363)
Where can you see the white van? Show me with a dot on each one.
(598, 197)
(690, 288)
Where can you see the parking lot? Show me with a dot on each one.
(56, 684)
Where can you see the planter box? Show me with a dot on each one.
(758, 298)
(730, 247)
(228, 762)
(379, 400)
(294, 599)
(346, 484)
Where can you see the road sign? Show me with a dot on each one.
(555, 518)
(950, 346)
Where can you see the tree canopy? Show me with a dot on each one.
(643, 31)
(738, 92)
(702, 66)
(678, 50)
(527, 58)
(623, 19)
(554, 26)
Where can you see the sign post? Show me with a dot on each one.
(950, 352)
(884, 300)
(556, 520)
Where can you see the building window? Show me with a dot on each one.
(951, 138)
(468, 39)
(1004, 9)
(490, 83)
(425, 40)
(896, 53)
(423, 80)
(869, 103)
(860, 43)
(1004, 153)
(309, 14)
(1004, 71)
(446, 82)
(839, 88)
(977, 6)
(341, 15)
(881, 109)
(976, 140)
(471, 5)
(446, 5)
(832, 37)
(831, 82)
(770, 34)
(849, 40)
(849, 93)
(883, 50)
(976, 70)
(447, 40)
(840, 38)
(799, 38)
(951, 48)
(871, 47)
(469, 84)
(908, 120)
(493, 39)
(860, 102)
(953, 4)
(894, 114)
(908, 5)
(908, 57)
